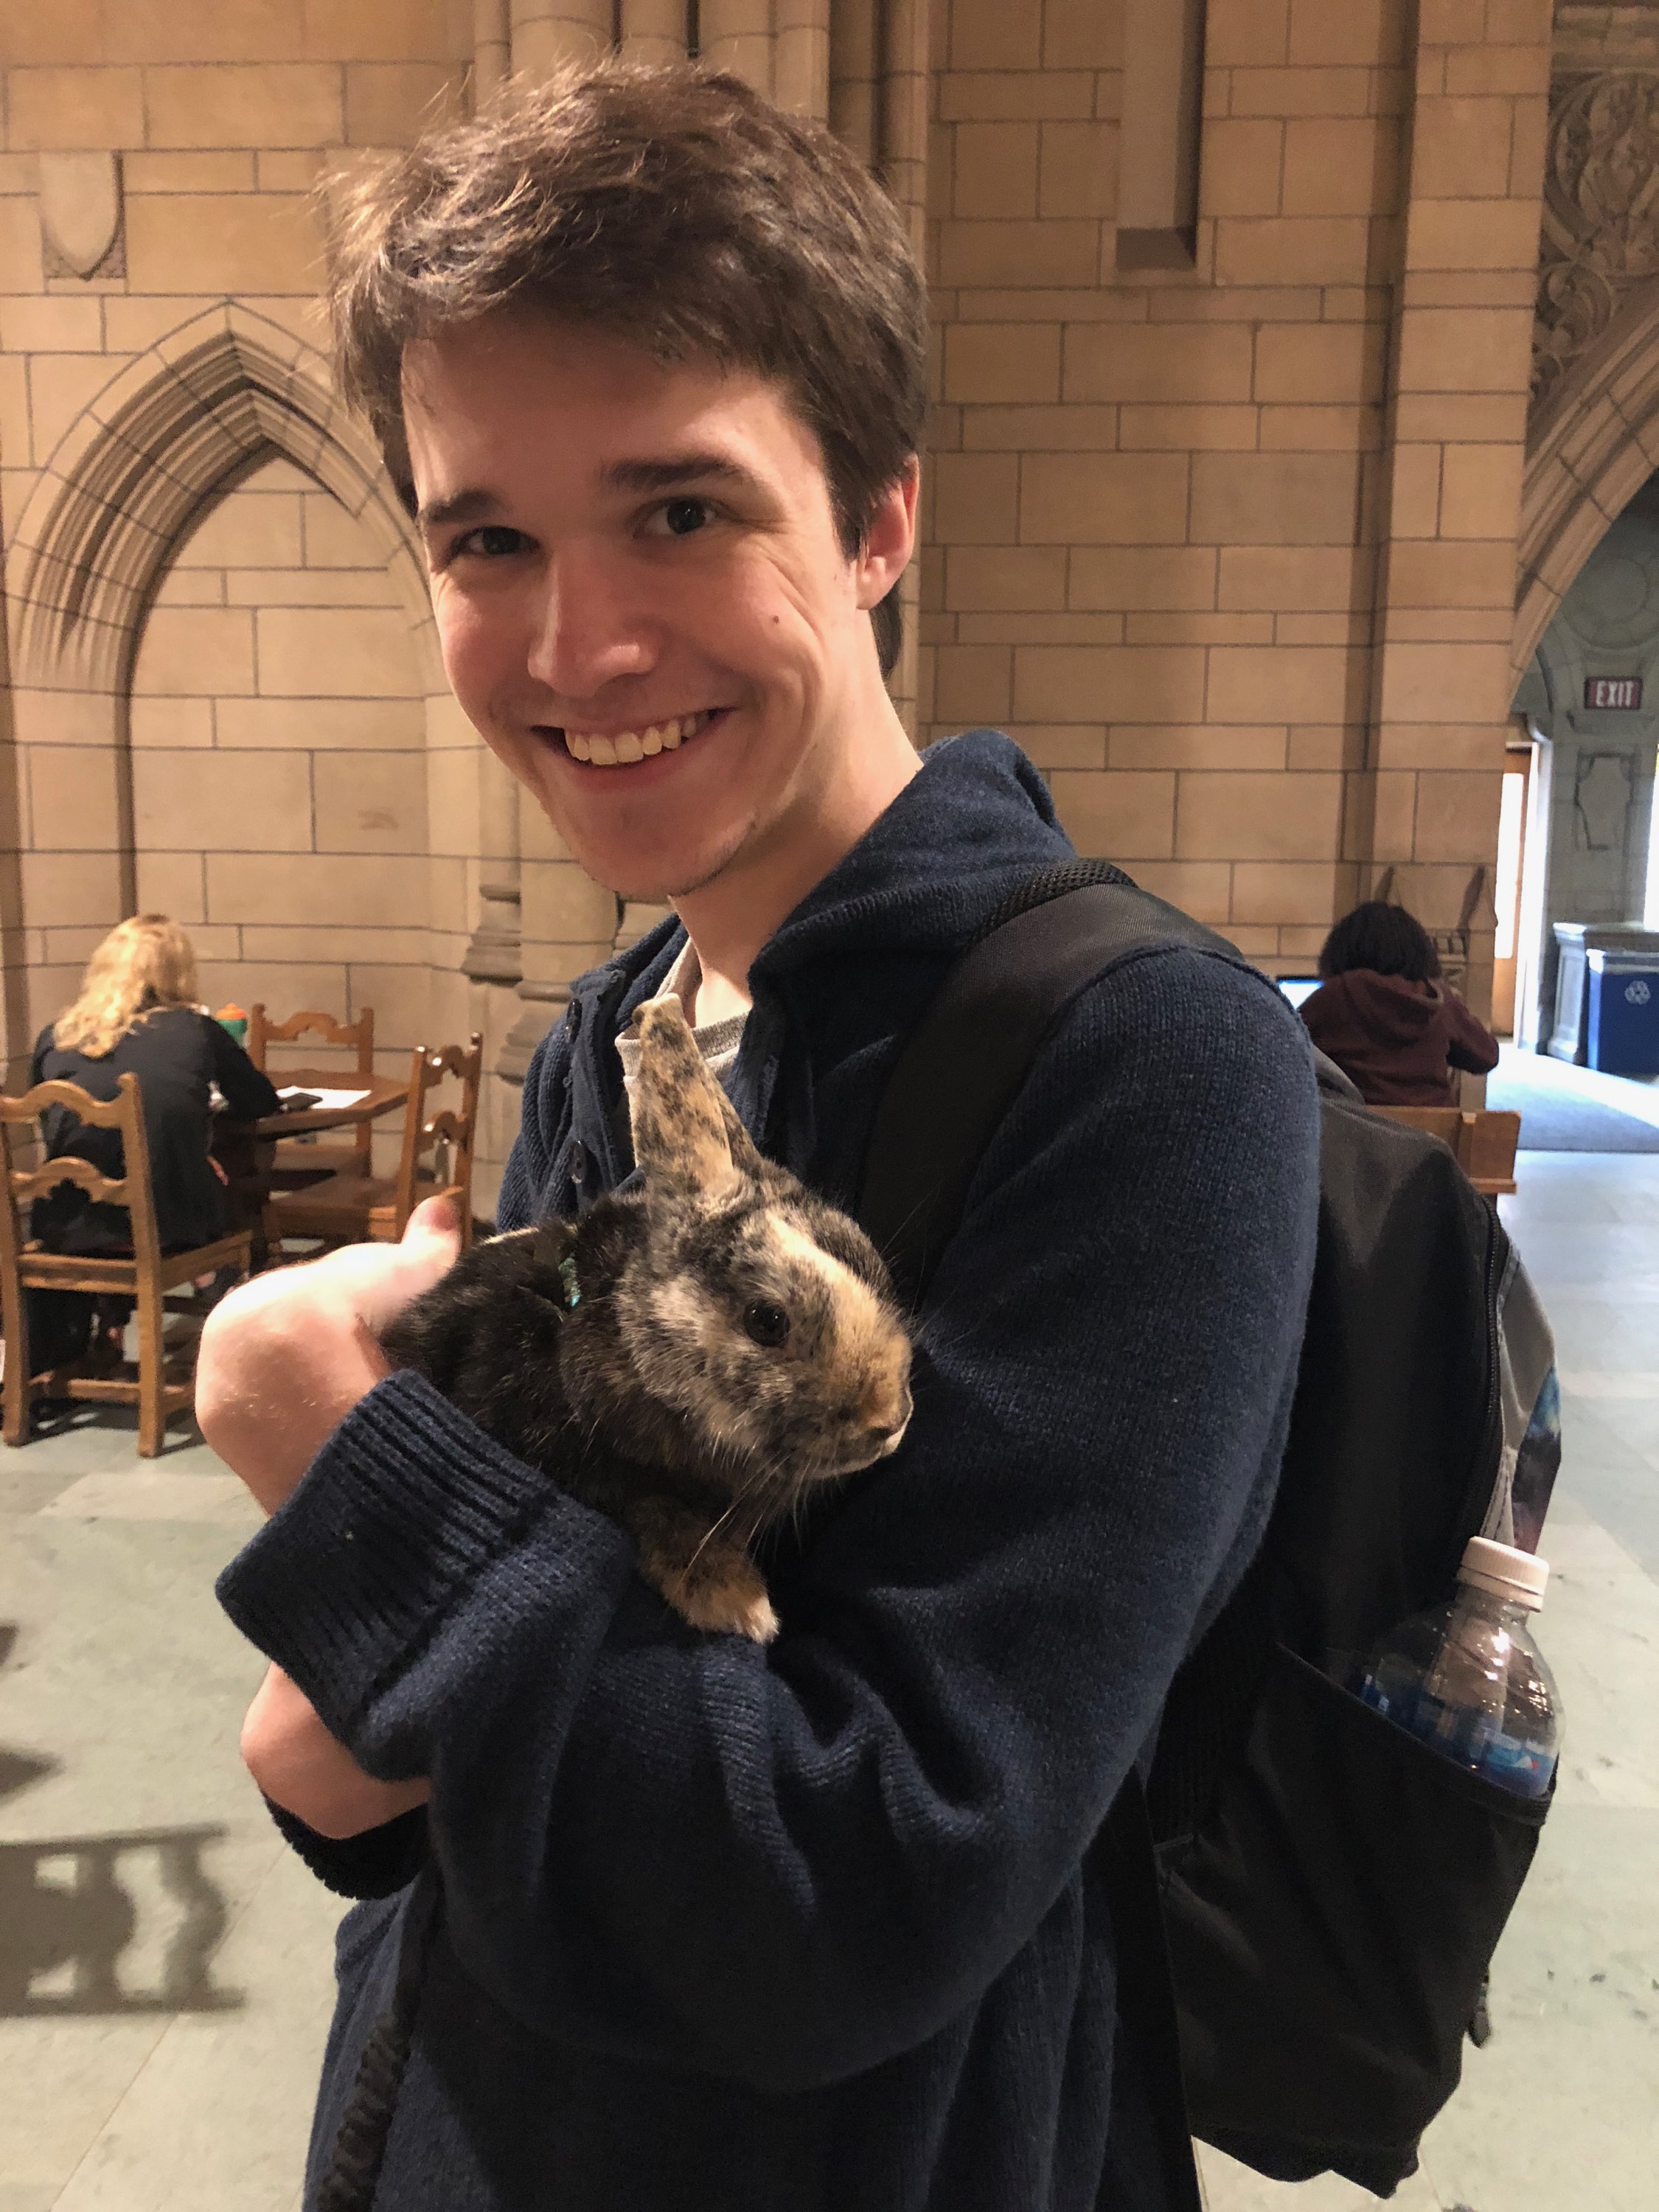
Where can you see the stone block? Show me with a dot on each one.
(1413, 492)
(1320, 362)
(20, 246)
(170, 723)
(1284, 683)
(1247, 33)
(250, 242)
(1223, 815)
(1339, 165)
(172, 883)
(996, 37)
(976, 499)
(339, 653)
(308, 587)
(1308, 429)
(1188, 429)
(68, 109)
(249, 529)
(374, 31)
(320, 725)
(371, 802)
(1368, 32)
(1291, 250)
(226, 803)
(1289, 891)
(60, 386)
(1460, 683)
(1481, 491)
(997, 578)
(1104, 499)
(195, 652)
(1091, 683)
(1160, 577)
(1068, 429)
(1073, 745)
(1078, 172)
(1081, 34)
(1486, 234)
(1460, 148)
(1201, 745)
(1286, 498)
(1159, 363)
(1002, 361)
(1492, 69)
(153, 31)
(188, 172)
(1019, 254)
(391, 103)
(1241, 170)
(970, 96)
(1126, 815)
(1451, 573)
(1290, 92)
(49, 325)
(973, 685)
(72, 801)
(334, 538)
(230, 104)
(994, 168)
(70, 891)
(376, 890)
(1456, 815)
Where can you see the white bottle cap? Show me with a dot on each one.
(1504, 1571)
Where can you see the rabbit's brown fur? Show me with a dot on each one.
(665, 1394)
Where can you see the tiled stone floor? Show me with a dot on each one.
(164, 1964)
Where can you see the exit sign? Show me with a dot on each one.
(1612, 691)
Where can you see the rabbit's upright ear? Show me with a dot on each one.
(687, 1136)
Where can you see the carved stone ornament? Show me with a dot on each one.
(80, 208)
(1601, 227)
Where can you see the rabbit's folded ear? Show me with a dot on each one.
(687, 1136)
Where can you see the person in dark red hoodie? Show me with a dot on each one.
(1383, 1015)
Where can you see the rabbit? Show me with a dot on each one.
(692, 1356)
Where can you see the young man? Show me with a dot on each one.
(727, 1927)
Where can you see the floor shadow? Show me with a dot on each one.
(68, 1913)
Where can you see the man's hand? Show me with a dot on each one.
(284, 1358)
(301, 1767)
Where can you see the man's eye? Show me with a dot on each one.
(493, 542)
(682, 517)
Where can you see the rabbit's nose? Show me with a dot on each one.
(890, 1425)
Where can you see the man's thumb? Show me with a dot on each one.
(435, 1221)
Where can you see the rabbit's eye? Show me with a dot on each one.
(767, 1324)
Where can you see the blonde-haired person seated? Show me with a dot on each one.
(137, 1013)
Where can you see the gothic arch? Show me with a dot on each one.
(128, 478)
(1596, 445)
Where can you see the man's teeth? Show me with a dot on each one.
(629, 746)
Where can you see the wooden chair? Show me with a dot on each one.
(146, 1278)
(1483, 1143)
(437, 1161)
(298, 1162)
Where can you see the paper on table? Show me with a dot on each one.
(327, 1101)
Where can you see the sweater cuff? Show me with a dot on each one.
(405, 1506)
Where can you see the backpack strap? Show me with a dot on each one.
(974, 1047)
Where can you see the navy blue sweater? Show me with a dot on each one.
(809, 1927)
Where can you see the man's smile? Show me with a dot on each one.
(623, 748)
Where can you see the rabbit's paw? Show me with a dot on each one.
(734, 1605)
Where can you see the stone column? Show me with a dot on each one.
(1426, 802)
(492, 48)
(654, 30)
(546, 33)
(568, 924)
(737, 35)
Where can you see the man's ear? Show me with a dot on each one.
(687, 1137)
(889, 538)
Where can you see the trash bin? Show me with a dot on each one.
(1623, 1013)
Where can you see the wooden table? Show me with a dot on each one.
(385, 1093)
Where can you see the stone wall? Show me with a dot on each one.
(1230, 543)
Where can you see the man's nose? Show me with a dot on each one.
(592, 630)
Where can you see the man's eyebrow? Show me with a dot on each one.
(668, 474)
(471, 506)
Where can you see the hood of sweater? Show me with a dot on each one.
(916, 888)
(1391, 1010)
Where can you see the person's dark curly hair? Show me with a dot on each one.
(1384, 939)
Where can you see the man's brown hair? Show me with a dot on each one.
(671, 206)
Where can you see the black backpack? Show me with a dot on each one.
(1332, 1891)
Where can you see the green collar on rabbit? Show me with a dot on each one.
(572, 1296)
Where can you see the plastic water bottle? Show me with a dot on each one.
(1466, 1677)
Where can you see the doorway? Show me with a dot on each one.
(1514, 821)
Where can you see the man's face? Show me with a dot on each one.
(642, 600)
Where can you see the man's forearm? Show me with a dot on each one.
(301, 1767)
